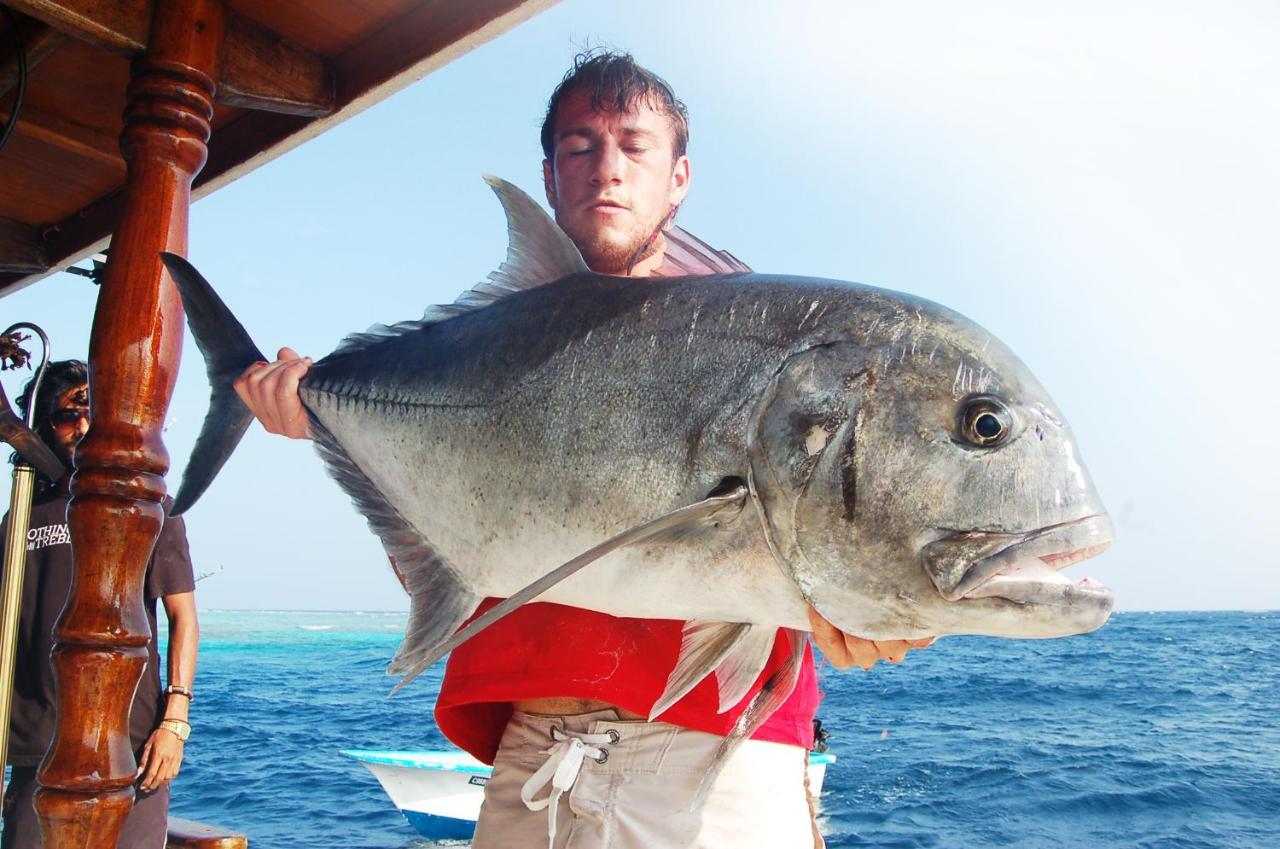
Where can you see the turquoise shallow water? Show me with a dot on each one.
(1160, 730)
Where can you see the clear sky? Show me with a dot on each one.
(1096, 183)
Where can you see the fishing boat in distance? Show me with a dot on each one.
(439, 792)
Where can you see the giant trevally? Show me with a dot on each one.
(746, 444)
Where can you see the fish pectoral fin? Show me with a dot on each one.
(722, 504)
(696, 513)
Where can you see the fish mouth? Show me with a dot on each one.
(1025, 568)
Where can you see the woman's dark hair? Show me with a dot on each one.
(59, 377)
(616, 84)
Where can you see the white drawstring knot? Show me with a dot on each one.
(564, 762)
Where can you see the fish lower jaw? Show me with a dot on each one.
(1038, 579)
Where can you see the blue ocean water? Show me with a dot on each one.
(1160, 730)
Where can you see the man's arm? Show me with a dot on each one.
(270, 391)
(162, 754)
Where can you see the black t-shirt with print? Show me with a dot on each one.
(44, 593)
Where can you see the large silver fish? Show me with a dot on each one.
(801, 441)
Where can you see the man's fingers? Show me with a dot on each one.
(149, 780)
(829, 641)
(270, 391)
(840, 649)
(161, 759)
(894, 651)
(146, 757)
(292, 418)
(844, 650)
(863, 652)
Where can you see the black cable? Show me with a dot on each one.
(20, 92)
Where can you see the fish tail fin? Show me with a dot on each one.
(227, 351)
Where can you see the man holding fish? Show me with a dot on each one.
(558, 697)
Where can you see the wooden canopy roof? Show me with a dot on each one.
(288, 69)
(130, 108)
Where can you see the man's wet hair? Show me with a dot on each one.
(616, 84)
(59, 376)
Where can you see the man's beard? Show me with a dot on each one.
(609, 256)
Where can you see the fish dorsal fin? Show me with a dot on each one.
(687, 255)
(538, 252)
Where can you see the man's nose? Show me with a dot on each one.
(609, 163)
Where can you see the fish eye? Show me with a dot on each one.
(985, 422)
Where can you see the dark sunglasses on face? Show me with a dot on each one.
(70, 417)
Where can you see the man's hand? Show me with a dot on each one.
(844, 650)
(161, 759)
(270, 391)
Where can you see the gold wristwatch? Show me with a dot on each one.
(180, 729)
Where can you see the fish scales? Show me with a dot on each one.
(487, 388)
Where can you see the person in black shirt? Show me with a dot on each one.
(158, 723)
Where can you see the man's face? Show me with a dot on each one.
(613, 180)
(69, 421)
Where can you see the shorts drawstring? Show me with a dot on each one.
(564, 762)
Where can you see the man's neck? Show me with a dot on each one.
(647, 266)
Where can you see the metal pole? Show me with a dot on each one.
(15, 559)
(15, 567)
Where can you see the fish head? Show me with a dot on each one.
(926, 484)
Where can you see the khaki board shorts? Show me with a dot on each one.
(640, 796)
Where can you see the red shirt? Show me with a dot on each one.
(545, 650)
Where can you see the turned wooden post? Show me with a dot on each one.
(116, 512)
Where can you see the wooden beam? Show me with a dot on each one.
(424, 39)
(66, 134)
(21, 248)
(86, 231)
(120, 26)
(39, 41)
(260, 70)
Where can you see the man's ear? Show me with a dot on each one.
(549, 182)
(680, 176)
